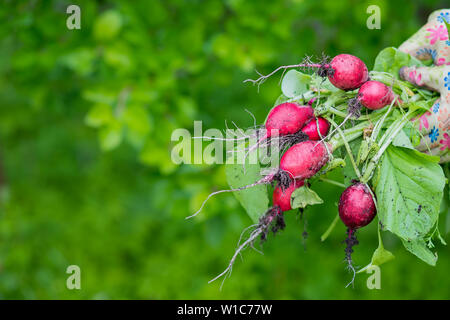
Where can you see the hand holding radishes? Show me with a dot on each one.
(342, 104)
(435, 123)
(431, 42)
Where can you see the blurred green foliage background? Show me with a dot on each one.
(86, 177)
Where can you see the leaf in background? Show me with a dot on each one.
(108, 25)
(419, 248)
(138, 124)
(117, 58)
(97, 96)
(302, 197)
(136, 117)
(409, 192)
(99, 115)
(111, 136)
(153, 155)
(295, 83)
(255, 200)
(391, 60)
(80, 60)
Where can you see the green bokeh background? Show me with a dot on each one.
(86, 177)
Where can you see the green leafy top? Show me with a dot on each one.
(409, 191)
(391, 60)
(255, 200)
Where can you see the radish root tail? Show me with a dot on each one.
(350, 242)
(265, 180)
(273, 217)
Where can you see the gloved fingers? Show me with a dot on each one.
(445, 158)
(430, 41)
(435, 78)
(425, 123)
(436, 140)
(433, 127)
(416, 44)
(436, 143)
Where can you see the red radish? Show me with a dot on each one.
(282, 198)
(311, 128)
(301, 161)
(304, 159)
(348, 72)
(287, 118)
(345, 71)
(375, 95)
(356, 209)
(356, 206)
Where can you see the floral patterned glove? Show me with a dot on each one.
(432, 42)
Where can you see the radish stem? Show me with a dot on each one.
(347, 147)
(330, 228)
(333, 182)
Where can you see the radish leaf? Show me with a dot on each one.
(420, 249)
(391, 60)
(295, 83)
(302, 197)
(255, 199)
(409, 193)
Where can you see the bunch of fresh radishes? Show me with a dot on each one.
(308, 146)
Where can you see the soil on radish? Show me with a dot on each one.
(356, 210)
